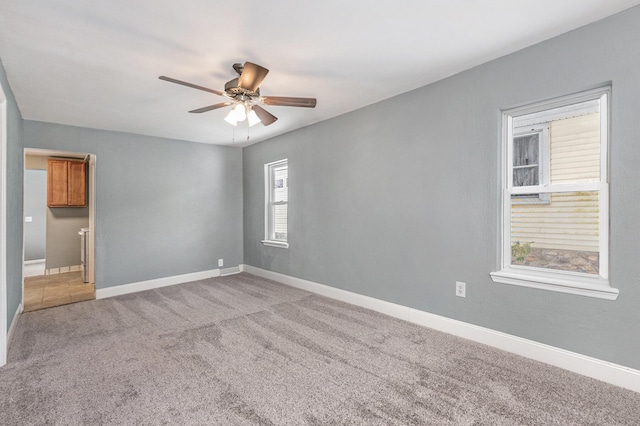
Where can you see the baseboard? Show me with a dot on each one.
(103, 293)
(63, 270)
(35, 261)
(614, 374)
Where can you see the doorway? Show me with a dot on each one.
(58, 270)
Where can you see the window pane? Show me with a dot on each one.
(575, 149)
(561, 235)
(280, 222)
(525, 176)
(526, 157)
(573, 146)
(525, 150)
(280, 184)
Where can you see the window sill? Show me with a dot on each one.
(275, 243)
(572, 284)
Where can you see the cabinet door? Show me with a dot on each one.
(77, 189)
(57, 177)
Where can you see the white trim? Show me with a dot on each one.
(558, 187)
(608, 372)
(4, 302)
(62, 269)
(103, 293)
(33, 262)
(560, 113)
(275, 243)
(560, 102)
(569, 283)
(14, 323)
(372, 303)
(91, 273)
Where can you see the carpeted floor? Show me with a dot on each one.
(242, 350)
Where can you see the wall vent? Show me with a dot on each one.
(229, 271)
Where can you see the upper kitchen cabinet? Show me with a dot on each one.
(66, 183)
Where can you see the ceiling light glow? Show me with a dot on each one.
(252, 117)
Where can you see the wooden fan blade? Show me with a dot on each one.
(211, 107)
(289, 101)
(252, 75)
(194, 86)
(265, 116)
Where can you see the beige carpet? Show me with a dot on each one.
(241, 350)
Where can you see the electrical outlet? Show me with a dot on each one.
(461, 289)
(220, 263)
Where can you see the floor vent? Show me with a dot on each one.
(229, 271)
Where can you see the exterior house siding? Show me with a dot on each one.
(569, 221)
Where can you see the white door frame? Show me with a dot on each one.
(91, 204)
(92, 219)
(3, 229)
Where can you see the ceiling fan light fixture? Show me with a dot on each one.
(231, 118)
(239, 112)
(252, 117)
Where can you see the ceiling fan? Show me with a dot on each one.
(243, 94)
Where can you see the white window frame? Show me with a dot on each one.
(556, 280)
(269, 203)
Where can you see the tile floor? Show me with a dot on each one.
(47, 291)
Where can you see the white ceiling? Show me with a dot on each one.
(96, 63)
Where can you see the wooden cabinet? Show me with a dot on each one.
(66, 183)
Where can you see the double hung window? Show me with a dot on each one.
(555, 200)
(276, 176)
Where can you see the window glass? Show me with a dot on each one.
(561, 235)
(280, 222)
(575, 148)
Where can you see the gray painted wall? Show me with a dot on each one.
(400, 199)
(163, 208)
(15, 161)
(63, 241)
(35, 206)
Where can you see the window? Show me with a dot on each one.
(276, 179)
(531, 161)
(555, 209)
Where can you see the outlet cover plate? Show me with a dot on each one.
(220, 263)
(461, 289)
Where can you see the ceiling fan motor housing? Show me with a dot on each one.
(234, 90)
